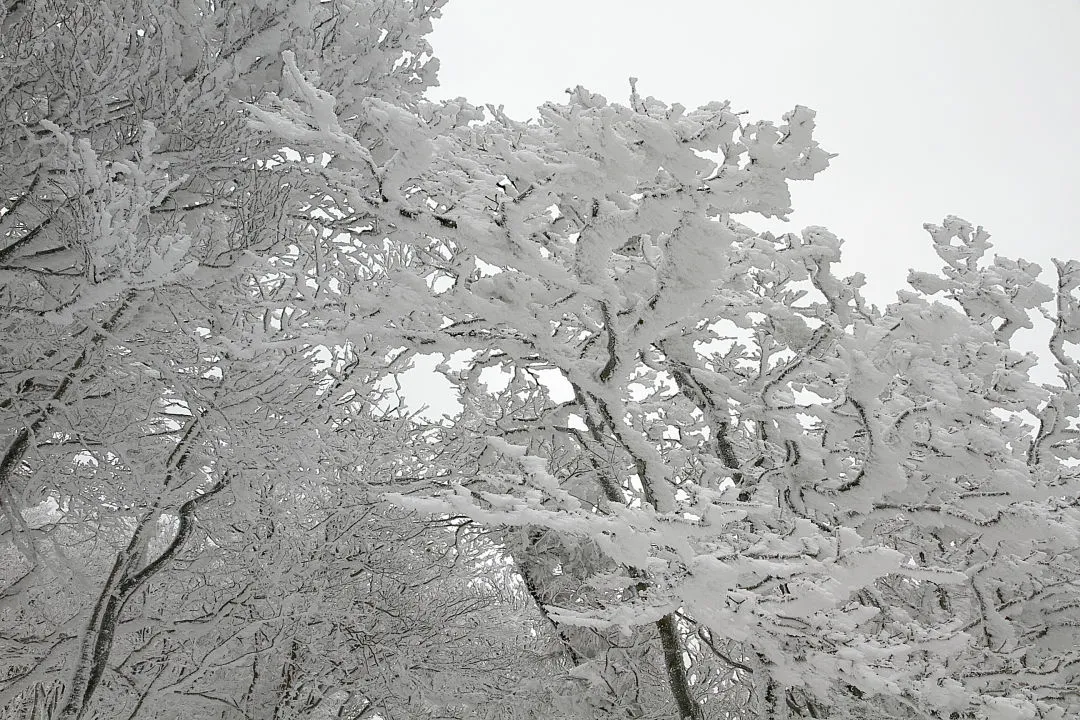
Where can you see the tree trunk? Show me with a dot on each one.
(689, 709)
(124, 579)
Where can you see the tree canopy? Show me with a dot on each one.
(694, 475)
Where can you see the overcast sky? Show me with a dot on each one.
(964, 107)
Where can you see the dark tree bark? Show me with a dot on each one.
(689, 709)
(124, 579)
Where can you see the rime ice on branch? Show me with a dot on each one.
(861, 506)
(747, 493)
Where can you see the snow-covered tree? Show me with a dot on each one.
(158, 406)
(863, 505)
(726, 485)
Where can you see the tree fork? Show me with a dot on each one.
(667, 626)
(123, 581)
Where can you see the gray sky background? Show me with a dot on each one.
(965, 107)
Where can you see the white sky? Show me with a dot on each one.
(965, 107)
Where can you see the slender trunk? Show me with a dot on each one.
(689, 709)
(671, 643)
(125, 578)
(532, 585)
